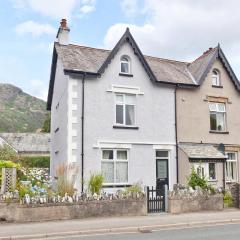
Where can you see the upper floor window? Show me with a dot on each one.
(125, 109)
(216, 78)
(217, 116)
(125, 65)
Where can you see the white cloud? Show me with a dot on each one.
(130, 7)
(56, 8)
(34, 28)
(184, 29)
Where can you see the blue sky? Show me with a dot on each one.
(176, 29)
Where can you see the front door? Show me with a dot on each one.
(162, 169)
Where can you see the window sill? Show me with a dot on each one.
(219, 132)
(114, 185)
(215, 86)
(125, 75)
(212, 180)
(125, 127)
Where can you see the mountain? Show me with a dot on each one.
(19, 111)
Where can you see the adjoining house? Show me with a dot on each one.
(122, 113)
(208, 118)
(27, 144)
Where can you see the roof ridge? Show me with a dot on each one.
(166, 59)
(82, 46)
(210, 50)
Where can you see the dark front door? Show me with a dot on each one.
(162, 173)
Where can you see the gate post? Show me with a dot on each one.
(166, 197)
(148, 199)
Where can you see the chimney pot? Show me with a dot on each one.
(63, 23)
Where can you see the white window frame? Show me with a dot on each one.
(216, 78)
(128, 62)
(205, 166)
(218, 111)
(231, 160)
(115, 160)
(124, 109)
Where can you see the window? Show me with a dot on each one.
(125, 65)
(115, 166)
(125, 109)
(215, 78)
(231, 167)
(207, 170)
(217, 116)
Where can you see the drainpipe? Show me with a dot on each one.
(82, 120)
(176, 133)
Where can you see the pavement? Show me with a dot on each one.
(90, 226)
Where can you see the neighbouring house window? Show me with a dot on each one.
(115, 166)
(217, 116)
(125, 64)
(231, 167)
(125, 109)
(206, 170)
(215, 78)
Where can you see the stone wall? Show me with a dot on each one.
(184, 204)
(234, 189)
(42, 212)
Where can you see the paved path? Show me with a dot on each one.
(118, 223)
(229, 232)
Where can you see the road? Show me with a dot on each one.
(220, 232)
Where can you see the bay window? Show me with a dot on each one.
(231, 167)
(217, 116)
(115, 166)
(125, 109)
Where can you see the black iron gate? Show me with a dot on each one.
(155, 200)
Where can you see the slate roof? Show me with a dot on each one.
(78, 59)
(28, 142)
(201, 151)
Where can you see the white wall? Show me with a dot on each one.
(155, 119)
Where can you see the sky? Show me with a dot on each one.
(176, 29)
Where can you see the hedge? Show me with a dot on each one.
(35, 161)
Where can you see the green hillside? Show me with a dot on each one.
(19, 111)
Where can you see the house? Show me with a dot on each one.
(27, 144)
(113, 111)
(126, 115)
(208, 120)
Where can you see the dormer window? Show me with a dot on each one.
(125, 65)
(215, 78)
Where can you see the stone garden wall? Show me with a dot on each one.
(185, 204)
(15, 212)
(234, 189)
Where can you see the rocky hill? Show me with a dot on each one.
(19, 111)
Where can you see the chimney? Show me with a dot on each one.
(63, 33)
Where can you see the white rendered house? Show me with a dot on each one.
(113, 112)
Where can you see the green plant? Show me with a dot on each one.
(35, 162)
(65, 179)
(7, 153)
(7, 164)
(227, 199)
(95, 183)
(195, 180)
(47, 124)
(135, 188)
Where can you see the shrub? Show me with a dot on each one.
(135, 188)
(95, 183)
(195, 180)
(35, 162)
(7, 153)
(228, 200)
(65, 182)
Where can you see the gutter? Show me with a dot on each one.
(176, 133)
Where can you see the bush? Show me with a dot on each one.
(195, 180)
(95, 183)
(7, 153)
(35, 162)
(135, 188)
(228, 200)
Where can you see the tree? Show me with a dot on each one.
(47, 124)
